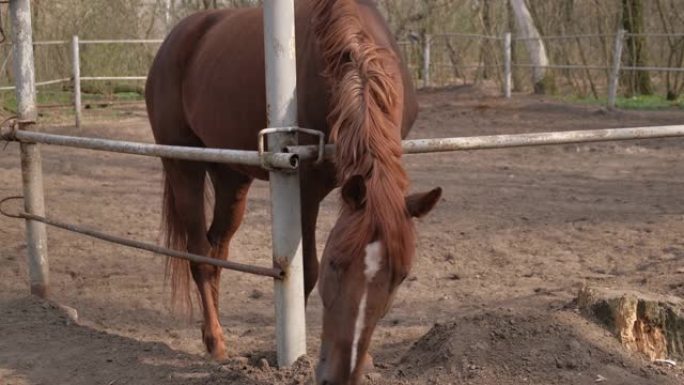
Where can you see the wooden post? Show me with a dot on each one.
(32, 176)
(76, 72)
(614, 78)
(281, 91)
(427, 43)
(507, 65)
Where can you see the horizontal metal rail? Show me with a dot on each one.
(55, 81)
(235, 266)
(51, 42)
(249, 158)
(38, 84)
(646, 34)
(450, 65)
(561, 37)
(94, 41)
(564, 66)
(421, 146)
(39, 43)
(595, 67)
(467, 35)
(122, 41)
(660, 69)
(113, 78)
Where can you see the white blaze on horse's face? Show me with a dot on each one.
(372, 261)
(355, 297)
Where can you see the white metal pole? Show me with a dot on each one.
(507, 65)
(76, 72)
(167, 15)
(34, 203)
(615, 69)
(281, 83)
(427, 43)
(20, 13)
(32, 177)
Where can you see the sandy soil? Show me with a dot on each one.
(489, 301)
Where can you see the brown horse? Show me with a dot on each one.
(206, 88)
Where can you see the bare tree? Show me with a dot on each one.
(636, 82)
(674, 83)
(542, 79)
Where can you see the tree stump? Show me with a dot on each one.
(647, 323)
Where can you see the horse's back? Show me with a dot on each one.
(164, 91)
(210, 72)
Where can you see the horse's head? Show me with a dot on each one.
(358, 280)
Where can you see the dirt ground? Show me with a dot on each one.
(517, 234)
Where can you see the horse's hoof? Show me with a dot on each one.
(367, 364)
(218, 353)
(215, 347)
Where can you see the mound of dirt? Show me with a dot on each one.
(557, 347)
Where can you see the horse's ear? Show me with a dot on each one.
(354, 192)
(421, 203)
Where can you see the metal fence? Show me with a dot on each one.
(77, 78)
(444, 66)
(434, 60)
(282, 160)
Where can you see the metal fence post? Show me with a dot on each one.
(25, 81)
(32, 177)
(507, 65)
(167, 16)
(281, 83)
(614, 78)
(427, 43)
(76, 72)
(34, 203)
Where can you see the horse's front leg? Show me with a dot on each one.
(315, 186)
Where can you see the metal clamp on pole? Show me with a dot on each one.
(8, 129)
(10, 126)
(273, 130)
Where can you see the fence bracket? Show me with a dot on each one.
(278, 130)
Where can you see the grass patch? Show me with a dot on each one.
(641, 102)
(49, 97)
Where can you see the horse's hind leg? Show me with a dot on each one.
(230, 189)
(188, 183)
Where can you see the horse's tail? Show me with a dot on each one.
(175, 237)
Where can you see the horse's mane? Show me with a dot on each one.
(363, 94)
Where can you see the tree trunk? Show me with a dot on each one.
(485, 48)
(209, 4)
(675, 58)
(542, 79)
(515, 71)
(636, 82)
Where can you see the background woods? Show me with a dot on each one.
(455, 58)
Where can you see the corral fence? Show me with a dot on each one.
(76, 78)
(281, 158)
(434, 61)
(437, 60)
